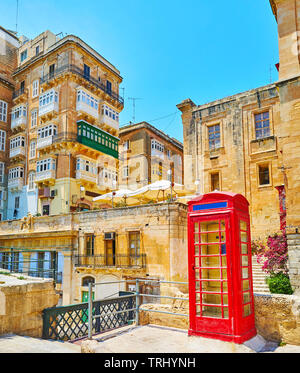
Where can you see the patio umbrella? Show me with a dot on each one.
(116, 197)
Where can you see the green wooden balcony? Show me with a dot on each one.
(97, 139)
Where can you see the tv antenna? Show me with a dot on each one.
(133, 103)
(17, 13)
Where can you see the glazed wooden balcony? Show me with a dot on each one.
(16, 184)
(73, 69)
(118, 260)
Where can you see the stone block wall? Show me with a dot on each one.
(22, 303)
(294, 260)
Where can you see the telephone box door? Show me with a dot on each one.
(210, 280)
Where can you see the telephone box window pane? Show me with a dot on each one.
(197, 285)
(244, 237)
(210, 274)
(196, 261)
(245, 273)
(198, 310)
(244, 260)
(197, 274)
(211, 286)
(211, 299)
(225, 286)
(224, 273)
(222, 225)
(224, 261)
(204, 238)
(243, 225)
(209, 226)
(225, 299)
(210, 261)
(196, 227)
(210, 311)
(210, 249)
(225, 311)
(244, 248)
(246, 297)
(246, 285)
(247, 310)
(196, 240)
(196, 250)
(197, 297)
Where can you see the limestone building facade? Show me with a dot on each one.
(64, 126)
(249, 143)
(147, 155)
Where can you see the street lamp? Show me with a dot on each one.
(169, 172)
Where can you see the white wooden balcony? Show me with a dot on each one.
(43, 176)
(16, 184)
(87, 109)
(104, 119)
(42, 142)
(86, 176)
(19, 122)
(20, 151)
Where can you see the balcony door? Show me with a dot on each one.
(110, 252)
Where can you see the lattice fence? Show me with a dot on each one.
(71, 322)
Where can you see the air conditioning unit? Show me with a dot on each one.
(53, 193)
(109, 236)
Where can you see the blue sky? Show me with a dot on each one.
(166, 50)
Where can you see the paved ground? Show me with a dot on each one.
(16, 344)
(141, 339)
(157, 339)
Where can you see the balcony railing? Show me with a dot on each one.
(87, 176)
(76, 70)
(17, 152)
(18, 122)
(119, 260)
(44, 142)
(16, 183)
(45, 175)
(18, 93)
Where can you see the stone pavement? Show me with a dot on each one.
(11, 343)
(139, 339)
(159, 339)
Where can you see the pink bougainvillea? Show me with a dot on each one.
(275, 255)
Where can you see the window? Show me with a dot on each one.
(262, 125)
(24, 55)
(46, 210)
(34, 118)
(47, 131)
(89, 100)
(169, 154)
(3, 111)
(48, 98)
(17, 142)
(89, 244)
(125, 172)
(1, 172)
(31, 178)
(214, 137)
(109, 112)
(86, 165)
(108, 87)
(15, 173)
(32, 151)
(17, 202)
(2, 140)
(214, 181)
(37, 50)
(18, 112)
(86, 71)
(51, 70)
(264, 174)
(126, 145)
(35, 88)
(22, 86)
(134, 247)
(86, 280)
(45, 165)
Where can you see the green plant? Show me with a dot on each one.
(21, 278)
(279, 283)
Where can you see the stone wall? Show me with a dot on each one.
(294, 261)
(22, 303)
(277, 317)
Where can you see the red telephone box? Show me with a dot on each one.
(220, 267)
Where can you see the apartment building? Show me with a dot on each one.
(64, 126)
(9, 44)
(148, 155)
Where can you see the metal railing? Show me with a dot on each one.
(76, 70)
(18, 92)
(109, 260)
(137, 295)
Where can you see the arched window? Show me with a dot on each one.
(86, 280)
